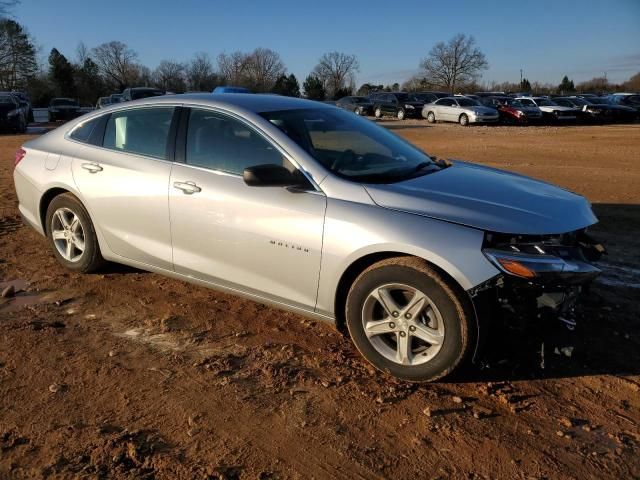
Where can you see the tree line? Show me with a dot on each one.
(455, 66)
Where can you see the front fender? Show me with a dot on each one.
(353, 231)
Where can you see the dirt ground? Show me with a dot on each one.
(126, 374)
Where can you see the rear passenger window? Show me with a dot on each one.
(143, 131)
(220, 142)
(83, 131)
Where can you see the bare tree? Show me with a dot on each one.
(200, 73)
(633, 84)
(454, 63)
(337, 71)
(117, 63)
(232, 67)
(169, 76)
(262, 69)
(82, 53)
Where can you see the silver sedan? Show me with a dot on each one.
(461, 110)
(310, 208)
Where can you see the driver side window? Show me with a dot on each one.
(220, 142)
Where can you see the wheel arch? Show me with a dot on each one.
(362, 263)
(46, 199)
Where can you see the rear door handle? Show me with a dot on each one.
(92, 167)
(187, 187)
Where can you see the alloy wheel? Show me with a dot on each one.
(403, 324)
(67, 232)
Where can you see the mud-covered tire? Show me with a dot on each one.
(454, 307)
(431, 117)
(90, 259)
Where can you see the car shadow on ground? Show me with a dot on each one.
(606, 340)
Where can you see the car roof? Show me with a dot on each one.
(253, 102)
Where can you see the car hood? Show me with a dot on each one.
(480, 110)
(487, 199)
(559, 108)
(528, 109)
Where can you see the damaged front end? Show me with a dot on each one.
(541, 276)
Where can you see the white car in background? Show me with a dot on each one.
(462, 110)
(551, 111)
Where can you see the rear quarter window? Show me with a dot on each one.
(82, 132)
(143, 131)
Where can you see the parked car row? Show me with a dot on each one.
(496, 107)
(134, 93)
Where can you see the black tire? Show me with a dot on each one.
(400, 114)
(456, 311)
(91, 259)
(377, 112)
(431, 117)
(464, 120)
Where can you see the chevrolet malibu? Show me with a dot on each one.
(303, 205)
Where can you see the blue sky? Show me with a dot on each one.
(546, 38)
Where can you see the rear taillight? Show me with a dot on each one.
(20, 153)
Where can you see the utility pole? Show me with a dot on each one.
(520, 78)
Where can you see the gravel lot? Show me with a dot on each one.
(126, 374)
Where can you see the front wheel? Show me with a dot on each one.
(378, 112)
(464, 120)
(71, 234)
(400, 114)
(431, 118)
(408, 321)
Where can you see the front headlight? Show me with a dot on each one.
(409, 107)
(538, 266)
(12, 113)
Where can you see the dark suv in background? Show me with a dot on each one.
(63, 109)
(396, 104)
(137, 93)
(357, 105)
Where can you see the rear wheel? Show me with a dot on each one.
(431, 118)
(464, 120)
(406, 320)
(71, 234)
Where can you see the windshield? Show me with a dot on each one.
(423, 97)
(579, 101)
(137, 94)
(352, 147)
(634, 99)
(467, 102)
(512, 102)
(543, 102)
(360, 100)
(63, 101)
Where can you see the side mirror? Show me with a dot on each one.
(270, 175)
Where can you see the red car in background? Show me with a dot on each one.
(512, 111)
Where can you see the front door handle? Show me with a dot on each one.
(187, 187)
(92, 167)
